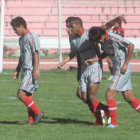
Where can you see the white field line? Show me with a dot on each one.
(52, 100)
(44, 63)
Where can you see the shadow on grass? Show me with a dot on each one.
(65, 121)
(8, 122)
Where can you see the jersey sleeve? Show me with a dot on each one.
(73, 49)
(34, 43)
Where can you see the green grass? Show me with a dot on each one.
(66, 117)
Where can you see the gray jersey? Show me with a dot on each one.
(84, 48)
(29, 44)
(115, 47)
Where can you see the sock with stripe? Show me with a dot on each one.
(112, 107)
(31, 105)
(30, 115)
(136, 104)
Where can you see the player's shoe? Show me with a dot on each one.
(101, 121)
(111, 126)
(108, 121)
(38, 117)
(110, 78)
(28, 124)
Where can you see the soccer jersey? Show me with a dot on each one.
(83, 46)
(29, 44)
(119, 31)
(116, 48)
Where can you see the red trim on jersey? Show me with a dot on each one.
(83, 32)
(32, 41)
(27, 32)
(106, 35)
(119, 31)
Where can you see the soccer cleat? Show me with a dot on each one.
(111, 126)
(38, 117)
(108, 121)
(100, 118)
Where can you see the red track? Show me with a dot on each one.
(135, 64)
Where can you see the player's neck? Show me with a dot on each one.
(25, 31)
(81, 32)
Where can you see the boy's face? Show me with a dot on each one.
(18, 30)
(72, 29)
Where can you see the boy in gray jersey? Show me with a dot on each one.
(119, 51)
(90, 74)
(29, 63)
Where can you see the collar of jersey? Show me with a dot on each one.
(83, 32)
(27, 32)
(106, 36)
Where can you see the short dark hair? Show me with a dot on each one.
(75, 20)
(95, 34)
(16, 22)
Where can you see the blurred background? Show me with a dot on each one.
(46, 18)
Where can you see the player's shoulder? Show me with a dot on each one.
(31, 36)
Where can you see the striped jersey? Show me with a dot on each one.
(29, 44)
(83, 46)
(115, 47)
(119, 31)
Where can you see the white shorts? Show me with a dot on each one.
(90, 77)
(27, 82)
(122, 82)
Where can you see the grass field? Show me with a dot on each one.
(66, 117)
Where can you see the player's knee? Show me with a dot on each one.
(21, 95)
(110, 94)
(128, 96)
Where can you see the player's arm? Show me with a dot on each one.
(67, 59)
(96, 59)
(35, 65)
(18, 68)
(129, 55)
(111, 23)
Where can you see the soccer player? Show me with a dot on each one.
(119, 51)
(91, 75)
(117, 30)
(29, 63)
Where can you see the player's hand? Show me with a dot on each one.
(124, 68)
(91, 61)
(35, 75)
(15, 75)
(123, 19)
(60, 65)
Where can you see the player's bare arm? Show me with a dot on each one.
(16, 73)
(111, 23)
(129, 55)
(36, 63)
(95, 59)
(67, 59)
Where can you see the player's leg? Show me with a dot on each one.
(95, 104)
(22, 95)
(131, 99)
(112, 106)
(110, 66)
(31, 114)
